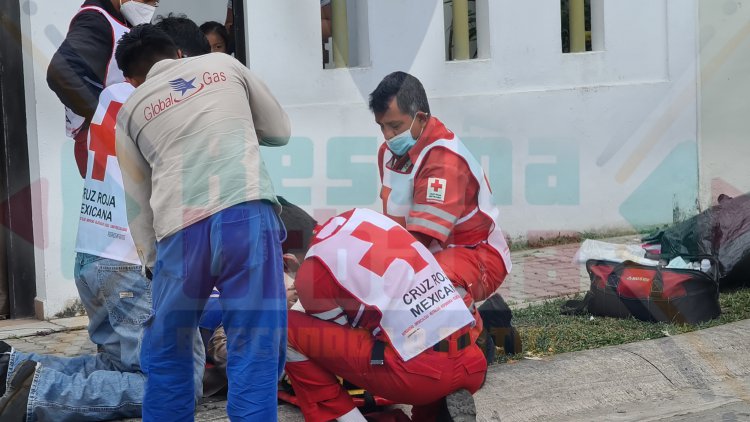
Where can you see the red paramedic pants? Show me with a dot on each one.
(321, 350)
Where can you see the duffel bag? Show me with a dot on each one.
(649, 293)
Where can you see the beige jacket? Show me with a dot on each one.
(188, 143)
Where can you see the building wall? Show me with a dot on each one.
(583, 142)
(589, 141)
(725, 81)
(55, 180)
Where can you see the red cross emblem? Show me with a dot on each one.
(387, 246)
(436, 185)
(103, 140)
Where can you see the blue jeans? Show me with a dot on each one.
(109, 384)
(237, 250)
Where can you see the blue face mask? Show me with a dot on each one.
(402, 143)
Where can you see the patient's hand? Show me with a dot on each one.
(291, 265)
(291, 291)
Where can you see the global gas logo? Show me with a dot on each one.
(179, 86)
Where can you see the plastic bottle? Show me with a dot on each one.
(705, 265)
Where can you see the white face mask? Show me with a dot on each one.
(136, 12)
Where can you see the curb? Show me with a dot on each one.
(657, 379)
(28, 328)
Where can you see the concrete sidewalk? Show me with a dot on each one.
(699, 376)
(706, 371)
(703, 375)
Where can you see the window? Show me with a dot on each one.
(344, 28)
(575, 24)
(462, 32)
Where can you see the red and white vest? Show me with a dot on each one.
(73, 122)
(103, 224)
(385, 267)
(400, 200)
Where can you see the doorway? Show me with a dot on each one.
(17, 269)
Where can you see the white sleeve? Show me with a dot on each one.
(229, 4)
(322, 2)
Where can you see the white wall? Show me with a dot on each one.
(51, 157)
(571, 142)
(725, 83)
(609, 119)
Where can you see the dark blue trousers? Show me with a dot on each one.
(238, 250)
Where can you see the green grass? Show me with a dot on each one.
(563, 238)
(545, 332)
(72, 310)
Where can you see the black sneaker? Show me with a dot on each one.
(487, 344)
(459, 407)
(13, 402)
(5, 350)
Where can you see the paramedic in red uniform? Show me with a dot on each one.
(433, 186)
(380, 313)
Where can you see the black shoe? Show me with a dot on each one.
(507, 340)
(13, 402)
(497, 319)
(5, 350)
(487, 344)
(459, 407)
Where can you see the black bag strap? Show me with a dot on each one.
(576, 306)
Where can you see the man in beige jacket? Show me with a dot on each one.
(202, 211)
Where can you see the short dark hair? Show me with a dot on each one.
(299, 227)
(185, 33)
(216, 28)
(407, 89)
(138, 50)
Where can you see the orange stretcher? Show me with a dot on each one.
(362, 399)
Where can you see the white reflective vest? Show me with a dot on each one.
(385, 267)
(103, 224)
(400, 201)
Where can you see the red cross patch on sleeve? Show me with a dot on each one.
(436, 190)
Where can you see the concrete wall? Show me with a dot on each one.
(591, 141)
(572, 142)
(51, 158)
(725, 83)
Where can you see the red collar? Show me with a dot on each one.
(434, 130)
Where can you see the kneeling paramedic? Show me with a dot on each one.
(380, 313)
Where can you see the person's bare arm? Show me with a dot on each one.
(326, 27)
(229, 20)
